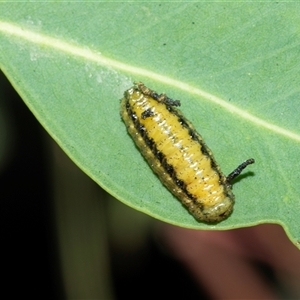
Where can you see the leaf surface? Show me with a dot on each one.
(234, 66)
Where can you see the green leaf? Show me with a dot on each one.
(235, 68)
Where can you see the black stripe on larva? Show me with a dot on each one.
(195, 136)
(155, 96)
(181, 184)
(132, 115)
(158, 154)
(182, 121)
(142, 130)
(170, 102)
(147, 113)
(206, 152)
(150, 143)
(168, 168)
(127, 106)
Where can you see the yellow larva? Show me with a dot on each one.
(178, 154)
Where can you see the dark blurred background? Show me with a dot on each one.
(45, 255)
(63, 237)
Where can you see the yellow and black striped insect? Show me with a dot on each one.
(178, 154)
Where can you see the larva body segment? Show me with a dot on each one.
(177, 153)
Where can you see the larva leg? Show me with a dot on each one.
(238, 170)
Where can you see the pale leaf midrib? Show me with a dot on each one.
(87, 54)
